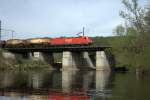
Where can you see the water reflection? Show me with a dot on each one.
(42, 85)
(5, 81)
(35, 80)
(102, 80)
(68, 77)
(88, 78)
(21, 96)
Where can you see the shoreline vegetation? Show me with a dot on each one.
(131, 44)
(128, 52)
(21, 64)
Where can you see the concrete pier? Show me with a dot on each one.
(102, 63)
(34, 55)
(42, 56)
(87, 61)
(71, 60)
(68, 61)
(30, 55)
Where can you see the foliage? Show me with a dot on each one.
(130, 31)
(21, 64)
(133, 47)
(125, 51)
(119, 30)
(134, 15)
(147, 20)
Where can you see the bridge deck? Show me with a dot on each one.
(58, 49)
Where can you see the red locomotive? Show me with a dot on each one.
(82, 40)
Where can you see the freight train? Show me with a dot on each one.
(40, 42)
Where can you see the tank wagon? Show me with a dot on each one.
(14, 43)
(38, 42)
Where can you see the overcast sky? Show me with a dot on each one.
(42, 18)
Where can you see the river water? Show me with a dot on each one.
(73, 85)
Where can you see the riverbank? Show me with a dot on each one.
(129, 51)
(21, 64)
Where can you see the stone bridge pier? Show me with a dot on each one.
(42, 56)
(72, 60)
(69, 60)
(102, 62)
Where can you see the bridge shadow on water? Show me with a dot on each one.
(55, 85)
(72, 85)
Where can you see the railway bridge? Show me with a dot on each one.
(78, 57)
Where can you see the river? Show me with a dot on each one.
(73, 85)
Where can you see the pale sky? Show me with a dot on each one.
(54, 18)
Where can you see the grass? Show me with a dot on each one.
(21, 64)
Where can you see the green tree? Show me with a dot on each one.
(134, 14)
(130, 31)
(147, 20)
(119, 31)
